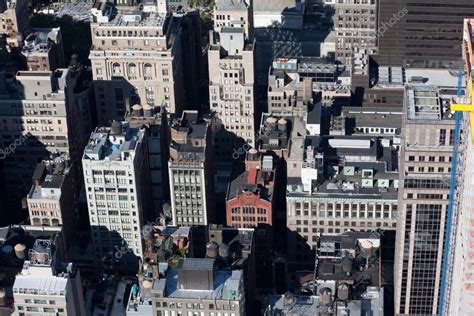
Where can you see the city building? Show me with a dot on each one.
(274, 134)
(15, 21)
(53, 197)
(416, 33)
(43, 113)
(230, 13)
(43, 50)
(250, 198)
(425, 165)
(338, 183)
(165, 246)
(232, 89)
(456, 293)
(44, 288)
(356, 29)
(346, 279)
(197, 285)
(143, 57)
(155, 121)
(236, 248)
(322, 304)
(117, 184)
(191, 171)
(381, 122)
(294, 83)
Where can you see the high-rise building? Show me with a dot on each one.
(117, 184)
(45, 287)
(457, 294)
(421, 33)
(144, 57)
(155, 121)
(356, 28)
(232, 89)
(425, 165)
(191, 171)
(43, 113)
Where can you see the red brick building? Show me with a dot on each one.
(249, 200)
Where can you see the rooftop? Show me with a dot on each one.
(116, 143)
(425, 103)
(226, 285)
(374, 117)
(290, 305)
(40, 40)
(188, 137)
(353, 165)
(349, 256)
(231, 5)
(255, 182)
(50, 176)
(133, 17)
(273, 5)
(274, 132)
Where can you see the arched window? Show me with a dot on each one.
(132, 69)
(147, 69)
(116, 68)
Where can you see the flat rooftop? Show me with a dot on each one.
(134, 17)
(107, 144)
(277, 6)
(224, 280)
(301, 306)
(374, 117)
(425, 103)
(231, 5)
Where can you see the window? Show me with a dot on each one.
(147, 69)
(116, 68)
(132, 69)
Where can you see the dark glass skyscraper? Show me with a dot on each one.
(421, 33)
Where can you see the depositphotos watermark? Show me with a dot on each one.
(384, 26)
(10, 149)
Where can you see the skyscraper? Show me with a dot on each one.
(232, 88)
(421, 33)
(355, 26)
(458, 282)
(191, 170)
(116, 176)
(425, 166)
(143, 56)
